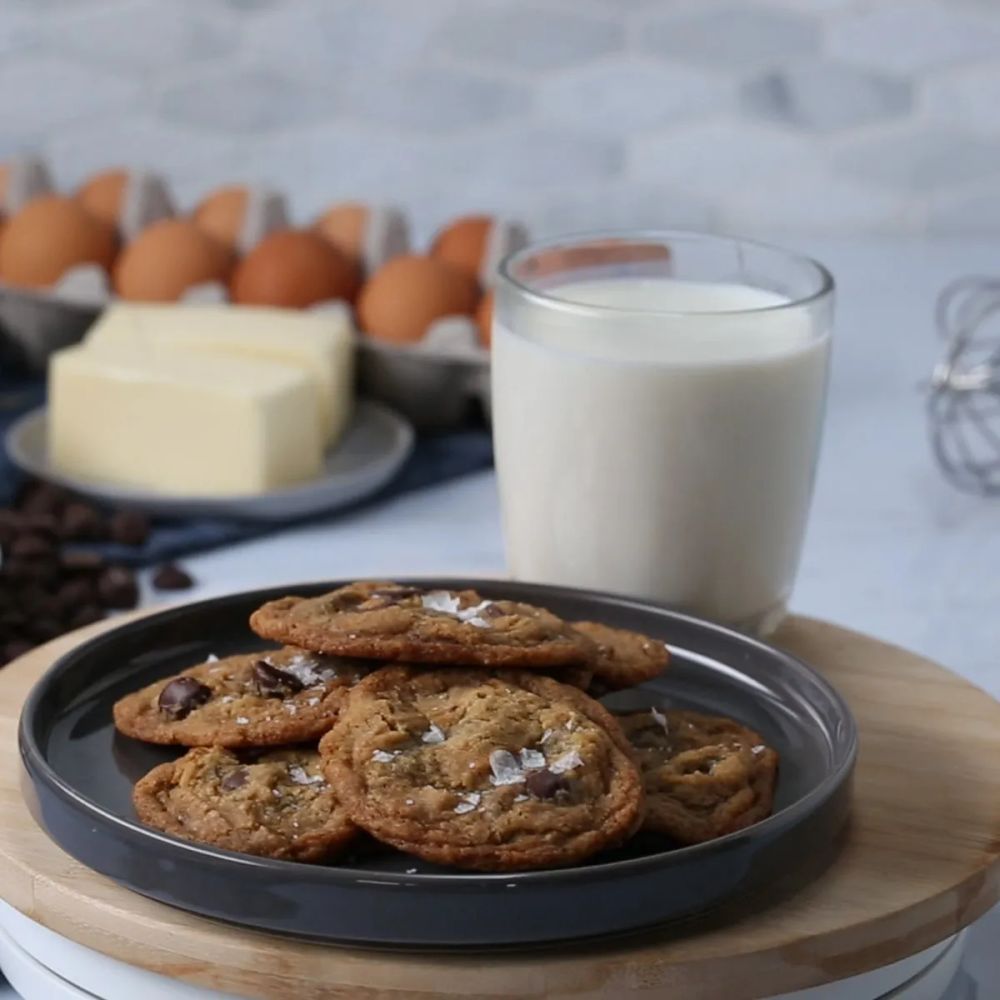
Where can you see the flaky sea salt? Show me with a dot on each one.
(505, 767)
(302, 777)
(291, 708)
(309, 671)
(531, 760)
(227, 698)
(660, 718)
(567, 762)
(520, 798)
(242, 720)
(312, 702)
(384, 756)
(445, 602)
(211, 658)
(758, 749)
(469, 802)
(433, 735)
(546, 736)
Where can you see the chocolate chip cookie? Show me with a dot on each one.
(624, 659)
(279, 805)
(704, 775)
(386, 621)
(251, 700)
(489, 771)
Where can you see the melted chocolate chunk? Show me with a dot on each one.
(182, 696)
(274, 683)
(545, 784)
(170, 576)
(235, 779)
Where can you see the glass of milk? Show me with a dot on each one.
(658, 399)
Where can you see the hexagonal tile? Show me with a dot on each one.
(966, 98)
(190, 160)
(718, 158)
(613, 206)
(242, 99)
(623, 95)
(826, 96)
(145, 37)
(434, 100)
(522, 36)
(924, 160)
(912, 36)
(43, 92)
(336, 41)
(731, 38)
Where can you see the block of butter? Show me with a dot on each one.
(181, 424)
(320, 343)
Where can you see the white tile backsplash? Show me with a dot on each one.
(835, 115)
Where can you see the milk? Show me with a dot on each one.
(663, 446)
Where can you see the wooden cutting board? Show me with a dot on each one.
(919, 861)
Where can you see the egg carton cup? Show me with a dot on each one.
(434, 382)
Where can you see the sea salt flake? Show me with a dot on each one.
(546, 736)
(505, 767)
(409, 802)
(384, 756)
(758, 749)
(570, 726)
(660, 718)
(227, 698)
(211, 658)
(302, 777)
(469, 802)
(312, 702)
(567, 762)
(276, 793)
(291, 708)
(242, 720)
(309, 671)
(433, 735)
(445, 602)
(532, 760)
(520, 798)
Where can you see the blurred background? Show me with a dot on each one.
(820, 116)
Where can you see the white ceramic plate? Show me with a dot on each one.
(377, 443)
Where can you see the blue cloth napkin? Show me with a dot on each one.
(436, 458)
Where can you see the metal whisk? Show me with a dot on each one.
(964, 402)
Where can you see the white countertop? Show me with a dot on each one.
(892, 549)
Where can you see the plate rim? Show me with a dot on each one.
(402, 428)
(35, 763)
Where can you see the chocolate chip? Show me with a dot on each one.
(10, 524)
(75, 593)
(39, 497)
(170, 576)
(41, 524)
(44, 629)
(80, 522)
(80, 561)
(235, 779)
(87, 614)
(14, 648)
(545, 784)
(182, 696)
(274, 683)
(129, 527)
(116, 588)
(39, 571)
(30, 546)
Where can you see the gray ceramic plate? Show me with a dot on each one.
(376, 444)
(80, 775)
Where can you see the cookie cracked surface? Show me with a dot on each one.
(277, 805)
(704, 775)
(485, 771)
(268, 698)
(389, 621)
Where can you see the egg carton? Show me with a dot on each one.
(434, 382)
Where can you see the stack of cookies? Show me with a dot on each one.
(461, 730)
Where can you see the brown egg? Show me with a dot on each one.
(464, 242)
(221, 213)
(295, 269)
(166, 259)
(345, 226)
(484, 318)
(407, 294)
(102, 195)
(50, 235)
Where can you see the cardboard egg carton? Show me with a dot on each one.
(432, 382)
